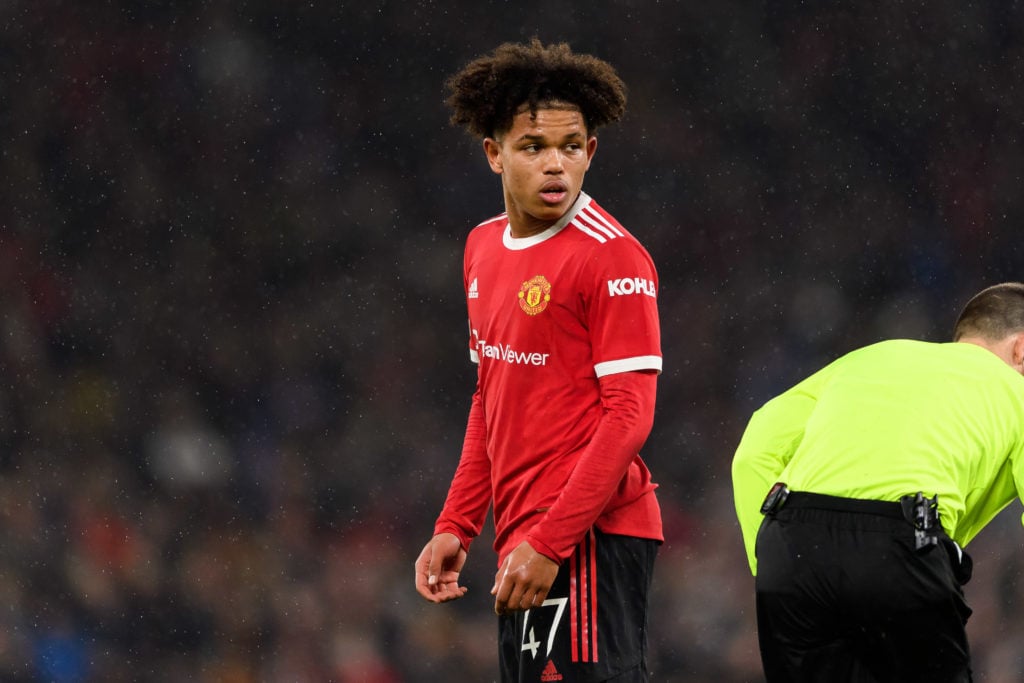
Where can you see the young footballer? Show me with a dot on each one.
(563, 326)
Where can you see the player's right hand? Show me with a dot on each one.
(438, 567)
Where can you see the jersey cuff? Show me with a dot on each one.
(544, 549)
(613, 367)
(465, 540)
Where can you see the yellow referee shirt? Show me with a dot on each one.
(889, 420)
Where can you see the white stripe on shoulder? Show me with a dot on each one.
(601, 222)
(596, 226)
(613, 367)
(582, 227)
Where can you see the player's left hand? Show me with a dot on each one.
(523, 581)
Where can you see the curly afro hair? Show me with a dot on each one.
(487, 94)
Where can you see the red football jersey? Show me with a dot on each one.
(548, 315)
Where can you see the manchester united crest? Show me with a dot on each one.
(534, 295)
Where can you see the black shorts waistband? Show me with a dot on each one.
(820, 501)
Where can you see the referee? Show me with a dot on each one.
(857, 489)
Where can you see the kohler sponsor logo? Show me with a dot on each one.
(631, 285)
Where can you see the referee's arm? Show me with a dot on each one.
(769, 441)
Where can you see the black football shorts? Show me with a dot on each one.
(593, 625)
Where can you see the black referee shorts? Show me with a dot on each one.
(593, 625)
(844, 596)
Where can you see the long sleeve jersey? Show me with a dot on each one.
(549, 316)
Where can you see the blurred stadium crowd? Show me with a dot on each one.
(233, 377)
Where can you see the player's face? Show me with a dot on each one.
(542, 160)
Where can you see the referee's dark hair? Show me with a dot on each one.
(489, 91)
(993, 313)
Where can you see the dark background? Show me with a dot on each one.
(233, 377)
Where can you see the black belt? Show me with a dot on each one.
(820, 501)
(921, 512)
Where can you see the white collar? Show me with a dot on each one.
(519, 243)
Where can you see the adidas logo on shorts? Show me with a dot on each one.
(550, 673)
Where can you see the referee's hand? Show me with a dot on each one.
(438, 567)
(523, 581)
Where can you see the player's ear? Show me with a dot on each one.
(492, 148)
(591, 148)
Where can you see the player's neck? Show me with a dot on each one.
(520, 230)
